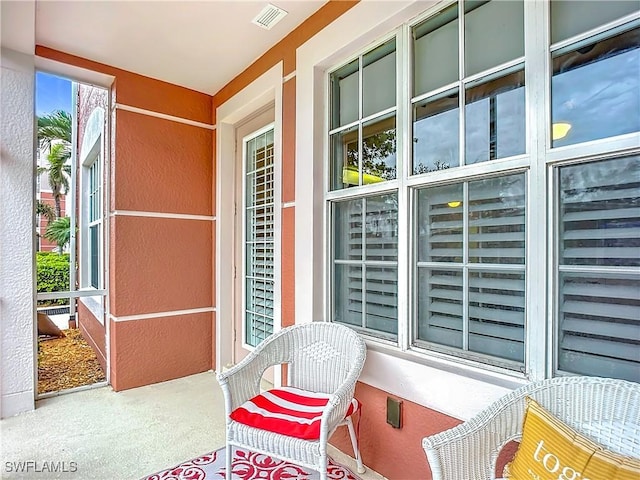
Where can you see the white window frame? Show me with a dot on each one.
(537, 162)
(245, 140)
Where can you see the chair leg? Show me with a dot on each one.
(229, 452)
(323, 470)
(354, 444)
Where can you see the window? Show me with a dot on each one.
(470, 267)
(599, 268)
(366, 263)
(443, 157)
(258, 237)
(94, 234)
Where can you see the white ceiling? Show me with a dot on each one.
(201, 45)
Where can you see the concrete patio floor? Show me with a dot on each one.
(124, 435)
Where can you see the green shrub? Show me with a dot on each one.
(52, 274)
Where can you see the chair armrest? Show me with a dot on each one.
(336, 408)
(469, 450)
(241, 382)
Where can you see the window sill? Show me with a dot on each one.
(436, 383)
(95, 306)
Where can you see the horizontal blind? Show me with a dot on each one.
(492, 322)
(366, 257)
(259, 238)
(599, 279)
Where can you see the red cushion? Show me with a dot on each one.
(288, 411)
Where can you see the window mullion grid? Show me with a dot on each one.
(538, 280)
(405, 273)
(461, 96)
(465, 266)
(363, 260)
(360, 112)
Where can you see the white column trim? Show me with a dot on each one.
(164, 116)
(180, 216)
(173, 313)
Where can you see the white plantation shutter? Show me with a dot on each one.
(259, 238)
(366, 254)
(599, 269)
(486, 255)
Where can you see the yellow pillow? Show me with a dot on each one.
(551, 450)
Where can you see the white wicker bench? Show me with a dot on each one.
(605, 410)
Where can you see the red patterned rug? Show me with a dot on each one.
(247, 466)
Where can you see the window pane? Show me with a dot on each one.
(435, 50)
(497, 220)
(494, 33)
(382, 299)
(347, 229)
(572, 17)
(94, 248)
(496, 314)
(439, 228)
(436, 145)
(379, 79)
(595, 90)
(347, 294)
(495, 119)
(599, 325)
(344, 95)
(382, 228)
(600, 213)
(344, 159)
(379, 150)
(439, 306)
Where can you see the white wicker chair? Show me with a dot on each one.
(321, 357)
(605, 410)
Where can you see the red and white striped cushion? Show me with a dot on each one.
(288, 411)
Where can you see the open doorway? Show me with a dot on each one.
(71, 234)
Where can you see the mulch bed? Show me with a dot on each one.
(66, 362)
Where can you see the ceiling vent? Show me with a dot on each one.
(269, 16)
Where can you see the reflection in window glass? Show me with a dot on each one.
(572, 17)
(493, 236)
(436, 145)
(494, 33)
(439, 227)
(347, 300)
(379, 150)
(382, 299)
(344, 95)
(595, 90)
(435, 50)
(496, 314)
(599, 254)
(372, 305)
(381, 228)
(347, 224)
(497, 220)
(439, 306)
(344, 159)
(495, 119)
(379, 79)
(600, 213)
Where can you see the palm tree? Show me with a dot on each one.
(54, 135)
(54, 126)
(46, 210)
(59, 232)
(58, 172)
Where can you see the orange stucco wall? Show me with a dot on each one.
(158, 349)
(160, 263)
(395, 453)
(93, 332)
